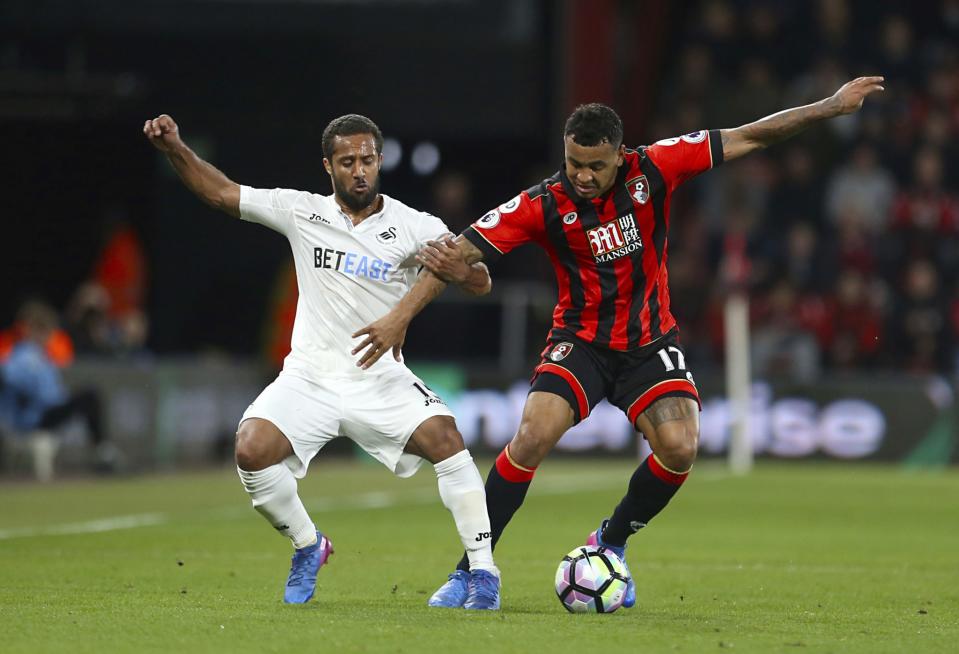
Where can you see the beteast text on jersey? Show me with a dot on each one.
(351, 263)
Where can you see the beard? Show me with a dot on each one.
(353, 201)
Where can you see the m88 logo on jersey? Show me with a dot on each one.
(615, 239)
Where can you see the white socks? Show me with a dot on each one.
(462, 492)
(273, 491)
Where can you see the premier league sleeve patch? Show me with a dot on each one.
(694, 137)
(490, 220)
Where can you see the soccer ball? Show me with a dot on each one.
(591, 580)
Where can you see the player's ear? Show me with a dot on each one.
(327, 166)
(620, 155)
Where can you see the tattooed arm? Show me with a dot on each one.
(457, 262)
(779, 126)
(389, 332)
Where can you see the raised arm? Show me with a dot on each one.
(779, 126)
(389, 332)
(201, 177)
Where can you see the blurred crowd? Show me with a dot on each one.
(846, 237)
(105, 316)
(850, 231)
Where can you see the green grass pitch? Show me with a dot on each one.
(793, 558)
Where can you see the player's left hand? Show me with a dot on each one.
(383, 335)
(445, 259)
(850, 96)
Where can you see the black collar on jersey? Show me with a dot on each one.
(577, 199)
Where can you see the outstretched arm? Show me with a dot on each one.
(389, 332)
(779, 126)
(201, 177)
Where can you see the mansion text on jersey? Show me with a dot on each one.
(615, 239)
(351, 263)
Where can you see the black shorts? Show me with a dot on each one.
(584, 374)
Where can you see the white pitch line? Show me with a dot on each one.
(387, 500)
(549, 486)
(372, 500)
(89, 527)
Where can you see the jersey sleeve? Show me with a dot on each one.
(428, 228)
(682, 158)
(431, 228)
(270, 207)
(508, 226)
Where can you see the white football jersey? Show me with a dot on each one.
(348, 276)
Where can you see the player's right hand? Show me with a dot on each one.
(162, 132)
(385, 335)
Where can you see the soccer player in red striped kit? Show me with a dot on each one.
(603, 219)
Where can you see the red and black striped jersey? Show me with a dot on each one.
(609, 253)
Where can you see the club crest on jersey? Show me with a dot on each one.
(490, 220)
(615, 239)
(639, 189)
(511, 206)
(561, 351)
(387, 235)
(570, 218)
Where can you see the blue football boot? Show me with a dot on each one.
(452, 594)
(305, 564)
(596, 539)
(483, 591)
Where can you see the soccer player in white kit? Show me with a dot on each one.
(354, 253)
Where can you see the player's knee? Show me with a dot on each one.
(679, 446)
(450, 442)
(436, 440)
(251, 452)
(531, 444)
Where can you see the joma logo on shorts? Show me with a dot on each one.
(431, 397)
(481, 535)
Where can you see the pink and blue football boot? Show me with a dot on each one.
(596, 539)
(452, 594)
(476, 590)
(482, 591)
(306, 562)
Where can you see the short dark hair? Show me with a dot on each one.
(349, 125)
(592, 124)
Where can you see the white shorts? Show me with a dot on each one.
(379, 412)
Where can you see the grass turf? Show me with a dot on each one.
(793, 558)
